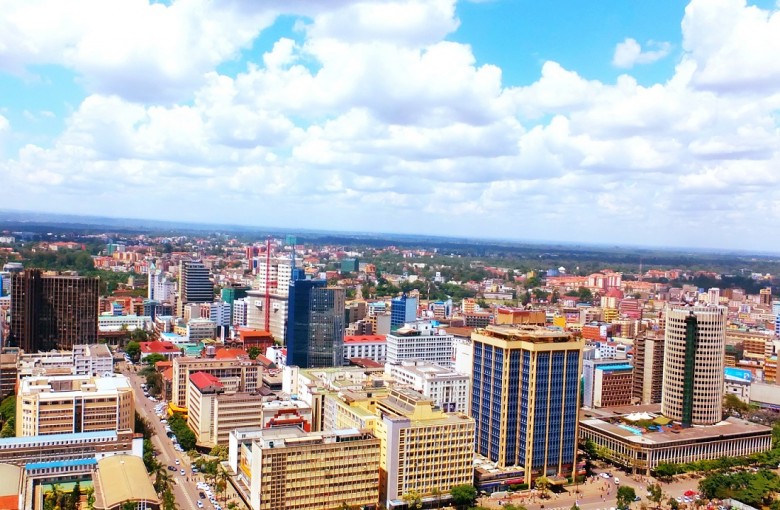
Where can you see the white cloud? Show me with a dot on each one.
(372, 120)
(629, 53)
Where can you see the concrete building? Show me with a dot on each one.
(164, 348)
(122, 479)
(372, 347)
(286, 468)
(200, 329)
(607, 383)
(423, 448)
(240, 374)
(648, 367)
(449, 390)
(240, 311)
(51, 311)
(641, 450)
(421, 340)
(534, 369)
(693, 364)
(108, 323)
(8, 373)
(95, 360)
(737, 382)
(277, 282)
(74, 403)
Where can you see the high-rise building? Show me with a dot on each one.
(648, 367)
(160, 288)
(243, 375)
(525, 398)
(693, 364)
(316, 324)
(403, 309)
(194, 284)
(280, 275)
(51, 311)
(765, 296)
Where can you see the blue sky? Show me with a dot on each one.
(656, 121)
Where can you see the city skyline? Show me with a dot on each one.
(649, 125)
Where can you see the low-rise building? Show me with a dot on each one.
(120, 480)
(372, 347)
(421, 340)
(641, 449)
(737, 382)
(167, 349)
(94, 359)
(286, 468)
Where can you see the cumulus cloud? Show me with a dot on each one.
(629, 53)
(369, 118)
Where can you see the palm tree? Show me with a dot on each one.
(221, 482)
(436, 493)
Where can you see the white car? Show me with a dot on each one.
(617, 481)
(200, 504)
(177, 462)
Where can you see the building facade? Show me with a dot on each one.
(50, 311)
(694, 350)
(365, 346)
(536, 371)
(71, 404)
(316, 324)
(243, 375)
(194, 284)
(648, 367)
(403, 309)
(449, 390)
(286, 468)
(423, 341)
(607, 383)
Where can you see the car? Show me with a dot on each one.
(603, 475)
(617, 481)
(195, 470)
(638, 498)
(201, 495)
(177, 462)
(164, 421)
(171, 468)
(679, 499)
(200, 504)
(181, 472)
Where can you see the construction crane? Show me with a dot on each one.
(268, 285)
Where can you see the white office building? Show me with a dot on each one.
(421, 340)
(448, 389)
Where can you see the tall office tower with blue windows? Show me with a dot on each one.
(315, 324)
(403, 309)
(525, 399)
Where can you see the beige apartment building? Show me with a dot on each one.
(236, 375)
(72, 404)
(286, 468)
(423, 449)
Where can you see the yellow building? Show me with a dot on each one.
(286, 468)
(610, 314)
(73, 403)
(423, 448)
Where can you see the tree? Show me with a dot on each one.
(673, 504)
(732, 404)
(625, 496)
(75, 496)
(153, 358)
(412, 499)
(584, 294)
(253, 352)
(133, 350)
(655, 493)
(510, 506)
(543, 483)
(665, 470)
(463, 495)
(436, 493)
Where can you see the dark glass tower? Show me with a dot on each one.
(315, 327)
(53, 311)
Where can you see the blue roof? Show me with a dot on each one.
(50, 438)
(60, 463)
(738, 374)
(624, 366)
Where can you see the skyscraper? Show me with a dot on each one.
(525, 398)
(315, 329)
(403, 309)
(194, 284)
(51, 311)
(648, 367)
(693, 364)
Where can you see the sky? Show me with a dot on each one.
(632, 123)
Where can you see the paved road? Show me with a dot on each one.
(596, 494)
(186, 492)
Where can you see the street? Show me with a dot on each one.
(596, 493)
(185, 492)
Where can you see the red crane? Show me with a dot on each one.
(268, 284)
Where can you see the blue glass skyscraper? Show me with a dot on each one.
(403, 309)
(525, 398)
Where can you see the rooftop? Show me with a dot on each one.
(525, 333)
(203, 380)
(121, 478)
(158, 347)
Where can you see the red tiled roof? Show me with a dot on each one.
(159, 347)
(203, 380)
(168, 374)
(228, 353)
(365, 362)
(361, 339)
